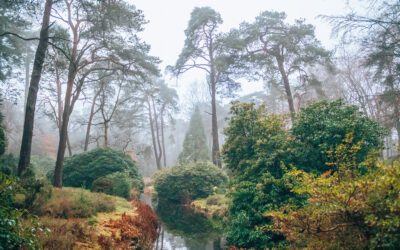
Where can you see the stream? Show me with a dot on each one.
(182, 228)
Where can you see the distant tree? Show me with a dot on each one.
(11, 19)
(160, 101)
(378, 35)
(204, 49)
(274, 50)
(195, 146)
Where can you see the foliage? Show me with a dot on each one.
(82, 169)
(76, 203)
(205, 49)
(41, 165)
(8, 164)
(65, 233)
(276, 51)
(195, 146)
(13, 18)
(346, 209)
(119, 184)
(256, 150)
(134, 232)
(13, 233)
(322, 126)
(188, 182)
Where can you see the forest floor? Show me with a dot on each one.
(76, 218)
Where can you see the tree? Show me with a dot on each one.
(204, 49)
(11, 19)
(378, 37)
(26, 144)
(159, 101)
(271, 48)
(195, 146)
(95, 47)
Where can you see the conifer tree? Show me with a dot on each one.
(195, 146)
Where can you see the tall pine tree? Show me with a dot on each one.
(195, 144)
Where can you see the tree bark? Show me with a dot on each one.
(163, 138)
(89, 126)
(214, 121)
(153, 136)
(26, 144)
(160, 152)
(214, 127)
(72, 71)
(105, 134)
(287, 87)
(27, 73)
(60, 109)
(69, 146)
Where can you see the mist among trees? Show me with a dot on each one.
(258, 135)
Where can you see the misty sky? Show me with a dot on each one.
(169, 18)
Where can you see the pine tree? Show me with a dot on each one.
(195, 146)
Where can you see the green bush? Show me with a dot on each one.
(119, 184)
(8, 164)
(14, 234)
(256, 152)
(322, 126)
(188, 182)
(82, 169)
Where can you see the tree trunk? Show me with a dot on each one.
(72, 71)
(105, 134)
(26, 144)
(397, 124)
(214, 121)
(214, 127)
(153, 136)
(287, 87)
(89, 126)
(160, 151)
(27, 73)
(69, 146)
(163, 138)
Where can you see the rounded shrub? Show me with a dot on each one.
(189, 182)
(82, 169)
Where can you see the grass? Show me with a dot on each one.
(80, 219)
(213, 205)
(79, 203)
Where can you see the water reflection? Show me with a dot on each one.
(182, 228)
